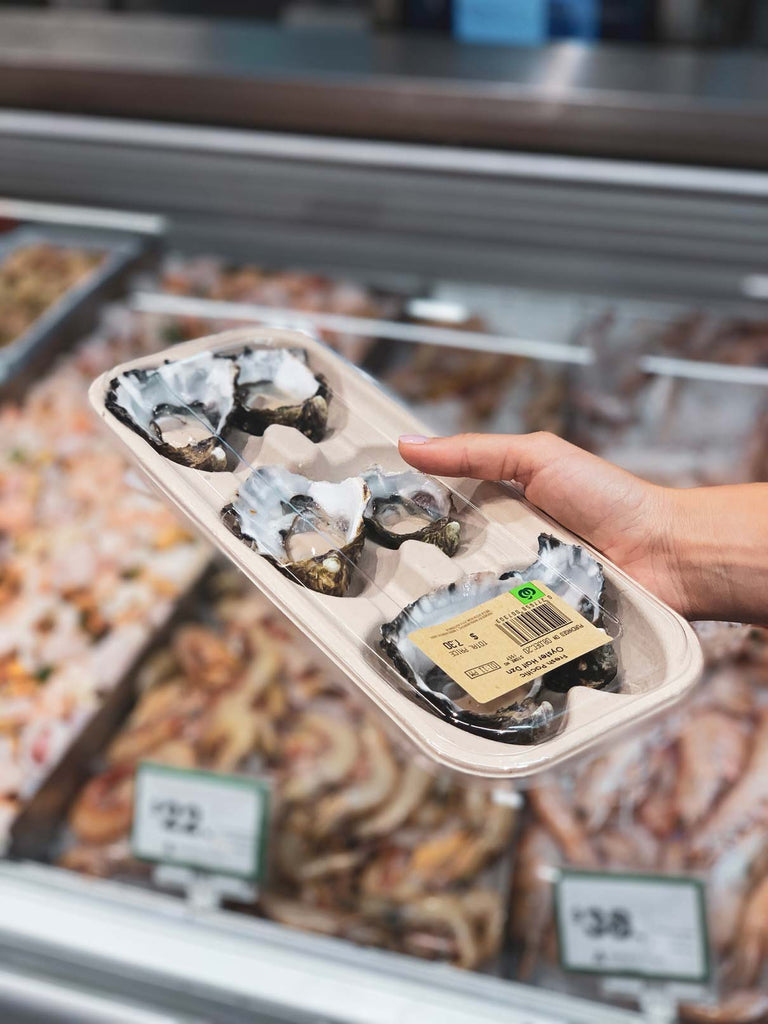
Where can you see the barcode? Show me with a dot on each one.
(534, 623)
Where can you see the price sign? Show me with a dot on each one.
(645, 926)
(200, 820)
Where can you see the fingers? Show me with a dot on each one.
(488, 456)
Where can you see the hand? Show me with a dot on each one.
(704, 551)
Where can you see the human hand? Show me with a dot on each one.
(704, 551)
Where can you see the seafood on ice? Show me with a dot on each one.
(90, 564)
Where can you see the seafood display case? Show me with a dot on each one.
(394, 888)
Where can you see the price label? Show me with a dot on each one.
(200, 820)
(496, 646)
(632, 925)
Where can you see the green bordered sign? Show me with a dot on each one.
(641, 926)
(201, 820)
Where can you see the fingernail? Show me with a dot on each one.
(413, 439)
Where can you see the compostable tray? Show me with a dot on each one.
(659, 657)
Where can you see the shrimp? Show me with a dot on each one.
(618, 775)
(320, 751)
(728, 689)
(447, 913)
(414, 786)
(176, 753)
(441, 859)
(486, 909)
(262, 668)
(744, 806)
(337, 863)
(104, 810)
(748, 1006)
(751, 948)
(713, 752)
(231, 733)
(204, 657)
(549, 804)
(727, 886)
(632, 846)
(381, 776)
(161, 714)
(532, 904)
(132, 744)
(658, 812)
(492, 834)
(157, 669)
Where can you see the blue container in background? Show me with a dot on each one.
(525, 22)
(505, 22)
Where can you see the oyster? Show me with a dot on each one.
(410, 506)
(312, 531)
(182, 408)
(569, 571)
(275, 385)
(573, 574)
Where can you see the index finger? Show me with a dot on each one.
(484, 456)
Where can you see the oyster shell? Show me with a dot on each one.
(275, 385)
(182, 408)
(410, 506)
(312, 531)
(573, 574)
(569, 571)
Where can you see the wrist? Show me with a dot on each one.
(716, 545)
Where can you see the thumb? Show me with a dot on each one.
(517, 457)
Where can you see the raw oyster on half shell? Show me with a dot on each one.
(569, 571)
(410, 506)
(311, 530)
(275, 385)
(181, 407)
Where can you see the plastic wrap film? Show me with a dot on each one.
(653, 424)
(369, 842)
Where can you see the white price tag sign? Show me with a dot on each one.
(633, 925)
(200, 820)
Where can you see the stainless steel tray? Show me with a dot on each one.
(74, 314)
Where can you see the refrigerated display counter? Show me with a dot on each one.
(619, 304)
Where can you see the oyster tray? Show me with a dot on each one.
(499, 642)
